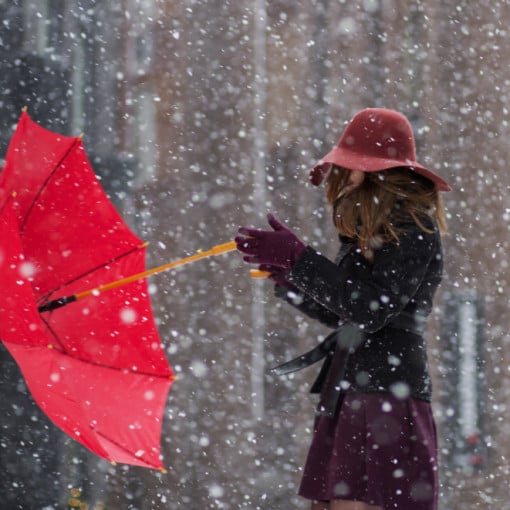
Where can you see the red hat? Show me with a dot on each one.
(375, 139)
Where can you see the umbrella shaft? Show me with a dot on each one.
(215, 250)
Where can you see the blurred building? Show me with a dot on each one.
(201, 116)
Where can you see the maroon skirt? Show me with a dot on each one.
(379, 449)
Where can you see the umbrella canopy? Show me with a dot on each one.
(96, 367)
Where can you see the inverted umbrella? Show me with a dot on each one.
(96, 367)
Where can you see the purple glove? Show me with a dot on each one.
(278, 247)
(278, 275)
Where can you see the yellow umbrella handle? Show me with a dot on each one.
(257, 273)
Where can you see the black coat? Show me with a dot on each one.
(387, 299)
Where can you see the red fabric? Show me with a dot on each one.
(116, 415)
(106, 379)
(20, 322)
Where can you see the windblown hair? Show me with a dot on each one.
(374, 212)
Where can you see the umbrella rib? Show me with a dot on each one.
(46, 297)
(50, 329)
(45, 183)
(118, 445)
(102, 365)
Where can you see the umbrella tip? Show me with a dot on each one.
(24, 109)
(163, 471)
(80, 136)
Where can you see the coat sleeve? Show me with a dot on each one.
(364, 293)
(308, 306)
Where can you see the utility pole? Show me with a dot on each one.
(259, 199)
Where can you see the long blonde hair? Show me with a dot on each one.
(370, 213)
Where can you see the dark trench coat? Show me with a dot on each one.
(378, 310)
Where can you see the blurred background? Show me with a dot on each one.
(202, 115)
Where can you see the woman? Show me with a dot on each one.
(374, 445)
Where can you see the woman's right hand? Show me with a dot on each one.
(278, 275)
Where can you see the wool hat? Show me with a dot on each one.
(375, 139)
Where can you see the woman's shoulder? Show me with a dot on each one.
(419, 235)
(414, 232)
(405, 222)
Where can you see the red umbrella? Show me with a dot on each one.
(96, 367)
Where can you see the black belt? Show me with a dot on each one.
(336, 348)
(341, 336)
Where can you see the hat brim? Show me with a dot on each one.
(354, 161)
